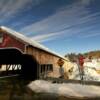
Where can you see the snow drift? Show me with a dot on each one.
(90, 71)
(65, 89)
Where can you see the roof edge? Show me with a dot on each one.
(29, 41)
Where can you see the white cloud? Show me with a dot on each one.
(63, 18)
(86, 2)
(90, 35)
(42, 37)
(46, 37)
(67, 21)
(9, 8)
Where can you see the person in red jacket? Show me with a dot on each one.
(81, 67)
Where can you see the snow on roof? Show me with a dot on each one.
(27, 40)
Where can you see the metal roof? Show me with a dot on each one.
(29, 41)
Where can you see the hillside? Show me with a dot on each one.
(92, 54)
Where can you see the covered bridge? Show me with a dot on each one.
(35, 59)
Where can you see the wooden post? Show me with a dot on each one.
(8, 67)
(13, 67)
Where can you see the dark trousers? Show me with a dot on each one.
(81, 74)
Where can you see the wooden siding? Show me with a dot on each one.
(44, 58)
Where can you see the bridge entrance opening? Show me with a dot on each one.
(13, 62)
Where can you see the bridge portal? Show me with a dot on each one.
(12, 61)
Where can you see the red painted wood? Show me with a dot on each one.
(9, 41)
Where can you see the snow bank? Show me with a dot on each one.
(90, 72)
(65, 89)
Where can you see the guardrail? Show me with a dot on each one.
(59, 80)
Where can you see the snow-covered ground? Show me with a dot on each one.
(71, 89)
(91, 71)
(65, 89)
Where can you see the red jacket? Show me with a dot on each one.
(81, 61)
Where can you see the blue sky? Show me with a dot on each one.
(64, 26)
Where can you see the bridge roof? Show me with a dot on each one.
(29, 41)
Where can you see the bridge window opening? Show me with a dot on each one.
(45, 69)
(50, 66)
(10, 69)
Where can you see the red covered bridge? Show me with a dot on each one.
(36, 61)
